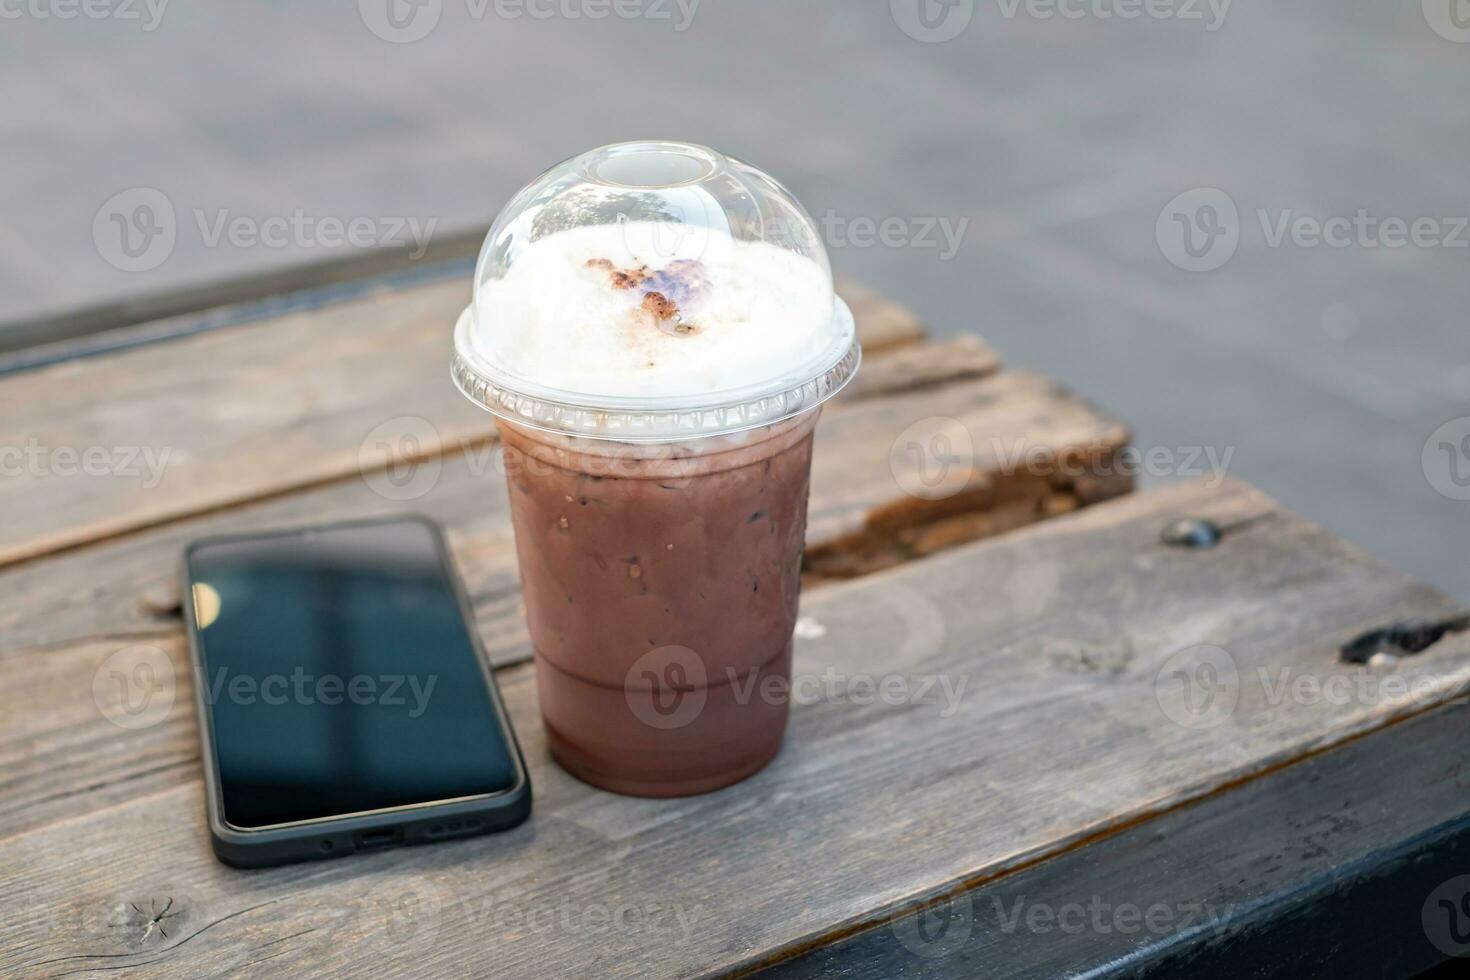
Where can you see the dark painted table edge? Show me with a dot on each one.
(1362, 916)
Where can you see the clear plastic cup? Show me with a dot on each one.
(654, 327)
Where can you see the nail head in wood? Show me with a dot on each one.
(1192, 532)
(163, 599)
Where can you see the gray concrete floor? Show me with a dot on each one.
(1060, 139)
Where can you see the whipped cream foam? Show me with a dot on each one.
(652, 309)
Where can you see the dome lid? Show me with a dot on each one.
(653, 291)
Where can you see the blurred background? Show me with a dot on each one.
(1241, 228)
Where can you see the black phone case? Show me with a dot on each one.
(328, 837)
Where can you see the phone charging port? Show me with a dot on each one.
(379, 838)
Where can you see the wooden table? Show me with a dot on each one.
(1106, 751)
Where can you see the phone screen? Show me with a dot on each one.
(340, 675)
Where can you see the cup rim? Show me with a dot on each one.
(659, 418)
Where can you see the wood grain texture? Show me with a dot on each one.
(1070, 638)
(225, 417)
(914, 366)
(1323, 868)
(100, 592)
(69, 612)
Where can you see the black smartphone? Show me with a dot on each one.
(345, 702)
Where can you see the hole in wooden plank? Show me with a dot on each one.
(911, 528)
(1402, 639)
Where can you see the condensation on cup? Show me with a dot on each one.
(655, 329)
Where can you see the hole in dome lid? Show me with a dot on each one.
(652, 165)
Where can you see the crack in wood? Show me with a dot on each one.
(155, 918)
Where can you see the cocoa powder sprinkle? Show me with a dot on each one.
(660, 306)
(683, 278)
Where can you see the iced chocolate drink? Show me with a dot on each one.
(654, 327)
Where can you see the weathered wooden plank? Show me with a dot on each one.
(1016, 450)
(1067, 648)
(1351, 848)
(71, 610)
(914, 366)
(101, 591)
(133, 439)
(882, 323)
